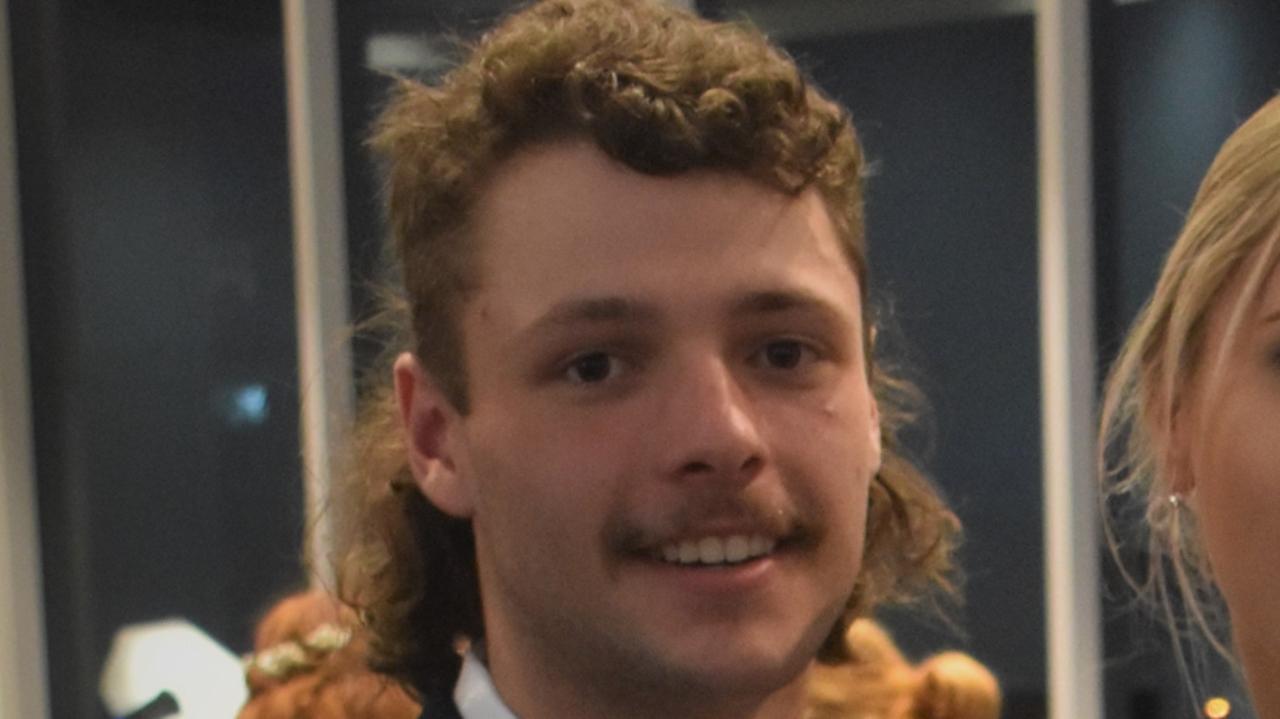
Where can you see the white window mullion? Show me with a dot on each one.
(320, 257)
(1072, 582)
(23, 670)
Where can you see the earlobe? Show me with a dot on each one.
(431, 431)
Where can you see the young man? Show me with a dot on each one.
(650, 463)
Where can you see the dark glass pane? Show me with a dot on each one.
(157, 239)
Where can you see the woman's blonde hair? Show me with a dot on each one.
(1232, 233)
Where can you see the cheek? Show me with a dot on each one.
(532, 521)
(544, 476)
(827, 453)
(1237, 474)
(840, 431)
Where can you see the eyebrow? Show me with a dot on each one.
(593, 310)
(625, 310)
(781, 301)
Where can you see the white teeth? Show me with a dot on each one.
(717, 550)
(688, 552)
(711, 550)
(736, 548)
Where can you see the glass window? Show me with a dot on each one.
(158, 260)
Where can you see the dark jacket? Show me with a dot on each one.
(439, 707)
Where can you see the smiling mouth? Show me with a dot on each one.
(715, 551)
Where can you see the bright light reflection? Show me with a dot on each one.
(249, 405)
(1217, 708)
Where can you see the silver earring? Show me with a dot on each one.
(1175, 501)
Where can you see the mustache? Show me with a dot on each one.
(776, 518)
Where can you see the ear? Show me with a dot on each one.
(877, 439)
(1167, 425)
(432, 434)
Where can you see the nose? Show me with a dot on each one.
(709, 428)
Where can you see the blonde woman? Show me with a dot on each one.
(1191, 417)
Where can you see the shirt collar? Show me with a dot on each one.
(475, 694)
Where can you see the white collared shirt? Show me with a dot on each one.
(475, 695)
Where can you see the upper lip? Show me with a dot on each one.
(724, 530)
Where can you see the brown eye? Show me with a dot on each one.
(592, 368)
(783, 354)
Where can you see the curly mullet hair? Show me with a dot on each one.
(663, 92)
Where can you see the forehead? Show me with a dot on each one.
(564, 216)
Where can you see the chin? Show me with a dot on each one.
(749, 665)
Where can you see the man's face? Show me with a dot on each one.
(671, 433)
